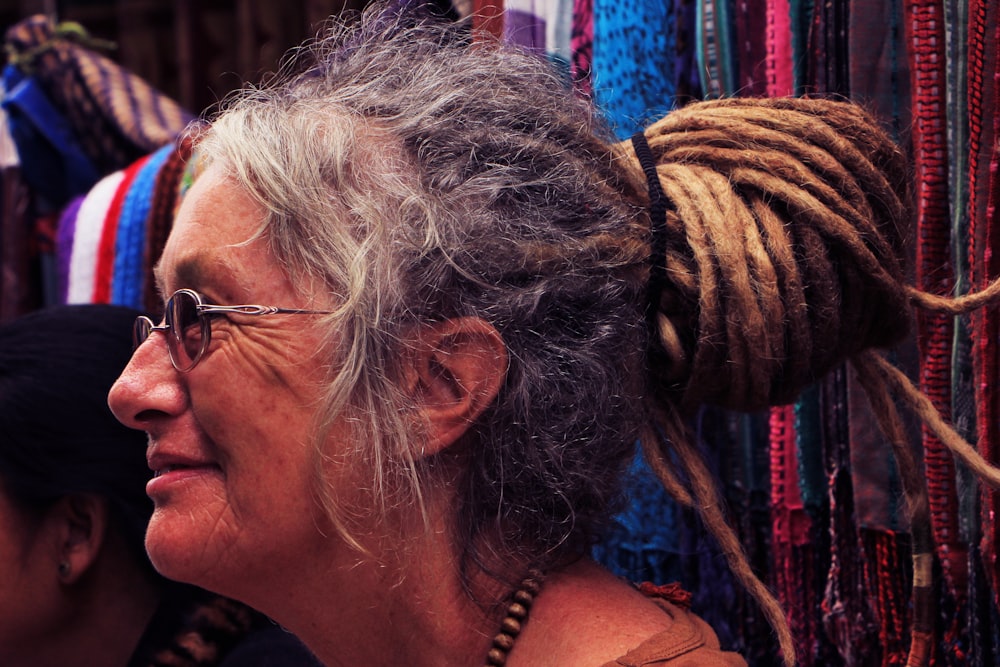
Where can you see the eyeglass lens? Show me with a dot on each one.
(141, 328)
(188, 332)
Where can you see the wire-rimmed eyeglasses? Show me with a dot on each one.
(187, 325)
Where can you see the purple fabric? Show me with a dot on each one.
(64, 245)
(525, 29)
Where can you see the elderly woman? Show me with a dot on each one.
(419, 308)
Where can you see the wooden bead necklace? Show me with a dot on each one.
(516, 618)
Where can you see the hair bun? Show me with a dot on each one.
(786, 245)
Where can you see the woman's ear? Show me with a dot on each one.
(79, 524)
(454, 372)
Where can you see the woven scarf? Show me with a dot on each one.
(984, 258)
(750, 19)
(130, 271)
(87, 238)
(633, 62)
(164, 203)
(582, 45)
(116, 115)
(925, 41)
(105, 270)
(778, 39)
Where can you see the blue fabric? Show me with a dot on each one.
(130, 243)
(52, 160)
(809, 439)
(633, 62)
(642, 542)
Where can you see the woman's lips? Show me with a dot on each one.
(170, 472)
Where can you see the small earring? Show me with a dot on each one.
(64, 569)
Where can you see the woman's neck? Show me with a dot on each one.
(410, 605)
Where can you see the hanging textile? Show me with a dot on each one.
(925, 38)
(582, 46)
(130, 270)
(633, 65)
(17, 293)
(54, 162)
(750, 21)
(780, 75)
(713, 50)
(790, 526)
(81, 119)
(487, 18)
(524, 23)
(116, 116)
(541, 25)
(88, 230)
(984, 255)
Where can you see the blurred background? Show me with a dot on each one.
(88, 193)
(194, 51)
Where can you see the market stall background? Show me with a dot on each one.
(96, 92)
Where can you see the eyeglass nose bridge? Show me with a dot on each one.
(143, 327)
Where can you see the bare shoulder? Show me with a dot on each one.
(586, 616)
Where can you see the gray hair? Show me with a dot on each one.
(423, 178)
(420, 178)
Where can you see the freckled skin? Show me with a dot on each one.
(246, 410)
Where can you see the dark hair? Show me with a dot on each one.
(57, 434)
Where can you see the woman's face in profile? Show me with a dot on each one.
(231, 440)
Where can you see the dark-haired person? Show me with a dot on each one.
(419, 308)
(76, 587)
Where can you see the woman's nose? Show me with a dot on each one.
(149, 389)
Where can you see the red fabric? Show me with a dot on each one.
(673, 593)
(750, 18)
(984, 257)
(583, 45)
(925, 39)
(780, 73)
(991, 371)
(105, 269)
(487, 18)
(790, 526)
(891, 599)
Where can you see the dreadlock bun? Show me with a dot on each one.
(785, 248)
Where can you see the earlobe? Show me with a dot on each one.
(455, 372)
(80, 524)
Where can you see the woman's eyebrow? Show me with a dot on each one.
(190, 271)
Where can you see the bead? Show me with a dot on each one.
(511, 626)
(518, 611)
(496, 657)
(517, 616)
(524, 598)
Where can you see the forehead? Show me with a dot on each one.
(213, 236)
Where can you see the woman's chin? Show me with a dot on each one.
(177, 554)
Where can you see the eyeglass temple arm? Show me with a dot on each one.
(251, 309)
